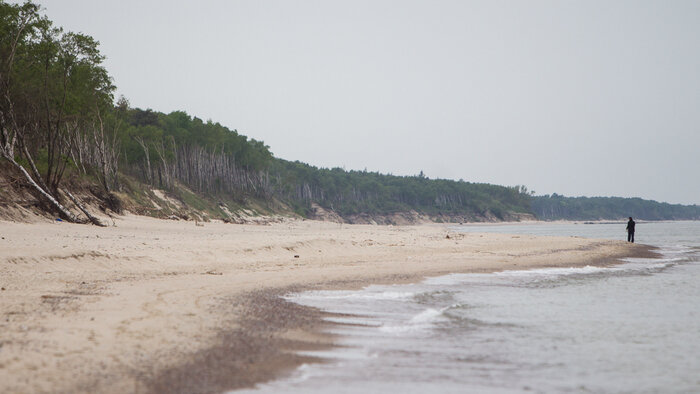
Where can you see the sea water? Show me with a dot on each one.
(631, 328)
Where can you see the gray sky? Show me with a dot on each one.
(573, 97)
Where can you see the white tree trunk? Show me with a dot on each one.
(63, 210)
(77, 203)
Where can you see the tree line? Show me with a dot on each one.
(355, 192)
(160, 149)
(56, 105)
(557, 207)
(59, 118)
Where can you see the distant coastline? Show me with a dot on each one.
(101, 156)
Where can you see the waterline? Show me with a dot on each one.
(627, 328)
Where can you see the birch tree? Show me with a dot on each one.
(49, 81)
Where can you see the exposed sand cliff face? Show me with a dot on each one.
(409, 217)
(154, 305)
(17, 203)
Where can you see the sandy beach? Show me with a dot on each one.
(151, 305)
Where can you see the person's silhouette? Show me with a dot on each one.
(630, 230)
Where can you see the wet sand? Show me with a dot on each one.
(165, 306)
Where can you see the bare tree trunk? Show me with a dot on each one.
(114, 160)
(77, 148)
(8, 140)
(65, 213)
(39, 179)
(77, 203)
(160, 149)
(148, 158)
(7, 151)
(98, 135)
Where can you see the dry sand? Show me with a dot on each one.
(152, 305)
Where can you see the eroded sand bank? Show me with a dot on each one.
(151, 305)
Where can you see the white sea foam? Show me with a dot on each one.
(553, 271)
(349, 295)
(427, 316)
(421, 321)
(338, 354)
(352, 320)
(631, 265)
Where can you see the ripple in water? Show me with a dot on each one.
(631, 328)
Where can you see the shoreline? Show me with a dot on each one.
(275, 358)
(153, 305)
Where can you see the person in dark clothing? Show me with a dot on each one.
(630, 230)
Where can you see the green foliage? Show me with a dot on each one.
(57, 101)
(192, 199)
(183, 130)
(356, 192)
(557, 207)
(52, 84)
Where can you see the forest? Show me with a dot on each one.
(61, 124)
(59, 120)
(556, 207)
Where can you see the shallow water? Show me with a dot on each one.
(632, 328)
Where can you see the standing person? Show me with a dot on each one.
(630, 230)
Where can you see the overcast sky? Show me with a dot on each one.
(571, 97)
